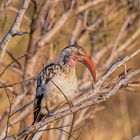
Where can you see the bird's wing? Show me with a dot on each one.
(45, 75)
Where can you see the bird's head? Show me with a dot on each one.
(72, 54)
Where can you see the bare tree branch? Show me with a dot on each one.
(108, 30)
(14, 29)
(77, 107)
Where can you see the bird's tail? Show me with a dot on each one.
(31, 135)
(38, 118)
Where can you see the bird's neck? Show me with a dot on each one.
(69, 69)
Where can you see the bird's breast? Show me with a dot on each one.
(62, 85)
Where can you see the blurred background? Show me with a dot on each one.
(108, 29)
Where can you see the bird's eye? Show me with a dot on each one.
(66, 56)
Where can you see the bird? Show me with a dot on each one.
(56, 84)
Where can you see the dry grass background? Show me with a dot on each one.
(120, 118)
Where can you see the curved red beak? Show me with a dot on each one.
(88, 62)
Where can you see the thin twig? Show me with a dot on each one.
(16, 83)
(10, 107)
(78, 137)
(72, 125)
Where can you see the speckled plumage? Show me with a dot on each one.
(48, 95)
(58, 81)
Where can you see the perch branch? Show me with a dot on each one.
(77, 107)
